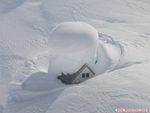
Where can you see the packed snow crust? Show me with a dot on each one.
(29, 64)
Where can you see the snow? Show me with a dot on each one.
(69, 34)
(76, 41)
(30, 62)
(1, 109)
(73, 44)
(42, 80)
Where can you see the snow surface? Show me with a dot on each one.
(72, 44)
(26, 57)
(1, 109)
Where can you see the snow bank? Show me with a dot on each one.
(72, 44)
(126, 20)
(74, 38)
(37, 82)
(1, 109)
(69, 64)
(9, 5)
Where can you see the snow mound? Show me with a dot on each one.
(127, 21)
(74, 38)
(108, 54)
(1, 109)
(72, 44)
(37, 82)
(9, 5)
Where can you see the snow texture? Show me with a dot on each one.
(76, 41)
(1, 109)
(113, 32)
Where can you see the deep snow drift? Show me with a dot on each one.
(72, 44)
(123, 74)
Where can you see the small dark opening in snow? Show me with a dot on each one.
(83, 75)
(87, 75)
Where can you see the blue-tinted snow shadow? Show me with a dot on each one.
(9, 5)
(125, 65)
(34, 95)
(40, 81)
